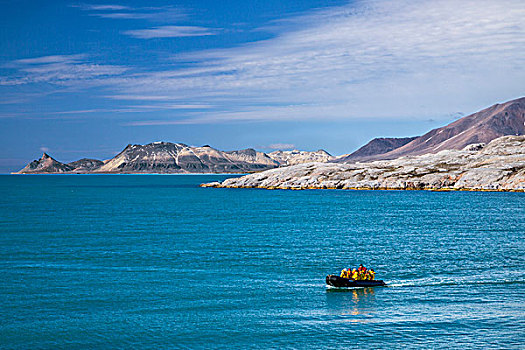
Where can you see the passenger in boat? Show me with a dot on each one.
(372, 274)
(360, 276)
(361, 268)
(345, 273)
(354, 274)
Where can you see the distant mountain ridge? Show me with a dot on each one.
(499, 120)
(167, 157)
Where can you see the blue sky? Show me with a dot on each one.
(83, 79)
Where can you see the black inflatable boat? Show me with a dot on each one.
(336, 281)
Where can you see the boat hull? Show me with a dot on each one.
(336, 281)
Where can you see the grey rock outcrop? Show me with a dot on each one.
(285, 158)
(498, 166)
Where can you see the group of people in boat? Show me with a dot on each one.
(359, 274)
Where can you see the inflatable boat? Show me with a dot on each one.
(336, 281)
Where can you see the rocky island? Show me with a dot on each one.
(176, 158)
(483, 151)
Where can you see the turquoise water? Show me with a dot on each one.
(157, 262)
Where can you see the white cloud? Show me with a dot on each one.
(158, 122)
(281, 146)
(155, 14)
(170, 32)
(105, 7)
(140, 97)
(49, 59)
(167, 15)
(57, 69)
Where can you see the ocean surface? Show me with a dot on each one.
(155, 262)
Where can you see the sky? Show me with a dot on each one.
(84, 79)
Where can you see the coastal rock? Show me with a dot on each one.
(286, 158)
(499, 166)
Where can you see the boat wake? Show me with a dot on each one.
(430, 283)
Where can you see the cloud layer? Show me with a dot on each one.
(374, 59)
(369, 59)
(154, 14)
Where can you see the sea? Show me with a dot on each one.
(157, 262)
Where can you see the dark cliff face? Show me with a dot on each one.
(249, 152)
(376, 147)
(482, 127)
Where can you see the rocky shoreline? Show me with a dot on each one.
(497, 166)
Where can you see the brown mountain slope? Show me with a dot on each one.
(482, 127)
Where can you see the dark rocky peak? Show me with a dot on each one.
(377, 146)
(248, 152)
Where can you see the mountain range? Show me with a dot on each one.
(165, 157)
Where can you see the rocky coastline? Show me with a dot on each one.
(497, 166)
